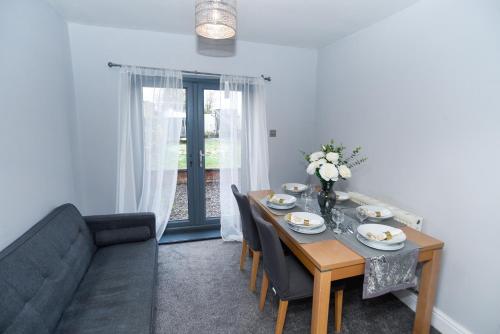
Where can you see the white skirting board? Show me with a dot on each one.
(440, 320)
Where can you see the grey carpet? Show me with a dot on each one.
(202, 290)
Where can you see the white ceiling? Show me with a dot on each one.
(302, 23)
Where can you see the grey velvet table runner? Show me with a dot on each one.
(385, 271)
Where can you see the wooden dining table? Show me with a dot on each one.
(331, 260)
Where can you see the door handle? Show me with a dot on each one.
(202, 156)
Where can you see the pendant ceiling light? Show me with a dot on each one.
(216, 19)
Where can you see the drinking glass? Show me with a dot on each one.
(338, 217)
(307, 191)
(306, 199)
(311, 194)
(362, 215)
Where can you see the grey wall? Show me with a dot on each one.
(36, 101)
(290, 103)
(421, 92)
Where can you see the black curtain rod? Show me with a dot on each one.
(111, 64)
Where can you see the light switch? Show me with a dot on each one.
(272, 133)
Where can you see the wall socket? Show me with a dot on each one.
(272, 133)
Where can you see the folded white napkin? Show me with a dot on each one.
(373, 213)
(297, 220)
(276, 199)
(385, 235)
(400, 215)
(294, 187)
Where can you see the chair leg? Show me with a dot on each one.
(255, 267)
(263, 291)
(280, 322)
(244, 247)
(339, 295)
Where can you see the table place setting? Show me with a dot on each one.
(294, 188)
(281, 201)
(305, 222)
(382, 237)
(373, 213)
(279, 204)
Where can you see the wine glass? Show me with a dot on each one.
(338, 217)
(307, 198)
(362, 215)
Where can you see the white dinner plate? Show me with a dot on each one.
(375, 213)
(399, 236)
(280, 207)
(342, 196)
(317, 230)
(282, 199)
(314, 220)
(378, 245)
(294, 187)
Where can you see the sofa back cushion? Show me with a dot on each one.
(41, 270)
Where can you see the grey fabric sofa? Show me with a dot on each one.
(74, 274)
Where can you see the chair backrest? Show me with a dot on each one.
(272, 253)
(248, 226)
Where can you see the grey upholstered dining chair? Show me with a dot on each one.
(289, 278)
(251, 240)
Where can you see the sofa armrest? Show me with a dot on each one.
(121, 228)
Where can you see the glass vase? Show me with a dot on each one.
(326, 198)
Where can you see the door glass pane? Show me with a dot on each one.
(180, 205)
(212, 99)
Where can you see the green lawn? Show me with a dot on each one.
(211, 154)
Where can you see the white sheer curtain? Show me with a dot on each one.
(243, 154)
(150, 122)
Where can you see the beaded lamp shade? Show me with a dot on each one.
(216, 19)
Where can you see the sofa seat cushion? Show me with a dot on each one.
(117, 294)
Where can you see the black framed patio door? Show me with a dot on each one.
(197, 203)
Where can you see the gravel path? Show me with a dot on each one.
(180, 207)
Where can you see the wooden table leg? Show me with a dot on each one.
(339, 300)
(321, 301)
(426, 294)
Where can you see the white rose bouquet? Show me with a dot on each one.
(330, 164)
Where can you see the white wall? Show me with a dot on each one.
(291, 96)
(36, 101)
(421, 92)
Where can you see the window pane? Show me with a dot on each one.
(212, 99)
